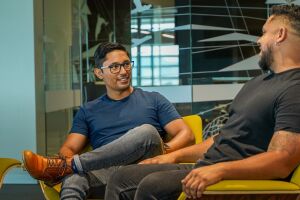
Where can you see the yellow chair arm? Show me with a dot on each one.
(5, 165)
(182, 196)
(252, 185)
(50, 193)
(249, 187)
(296, 176)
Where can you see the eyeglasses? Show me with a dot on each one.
(116, 67)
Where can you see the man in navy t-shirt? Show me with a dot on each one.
(124, 126)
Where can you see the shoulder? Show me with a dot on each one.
(149, 94)
(253, 83)
(260, 78)
(289, 82)
(94, 103)
(154, 98)
(291, 92)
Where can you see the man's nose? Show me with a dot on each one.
(122, 69)
(258, 42)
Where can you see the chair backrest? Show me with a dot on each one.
(195, 123)
(296, 176)
(92, 91)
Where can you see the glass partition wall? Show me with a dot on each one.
(72, 31)
(61, 61)
(197, 53)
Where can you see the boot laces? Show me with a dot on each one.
(58, 163)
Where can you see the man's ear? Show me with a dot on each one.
(282, 34)
(98, 73)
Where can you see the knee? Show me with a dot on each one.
(150, 132)
(119, 176)
(75, 181)
(149, 186)
(74, 186)
(156, 186)
(118, 183)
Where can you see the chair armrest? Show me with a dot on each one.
(50, 193)
(5, 165)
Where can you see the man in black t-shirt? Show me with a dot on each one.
(262, 132)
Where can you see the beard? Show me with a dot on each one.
(266, 59)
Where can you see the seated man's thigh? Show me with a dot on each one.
(161, 185)
(126, 180)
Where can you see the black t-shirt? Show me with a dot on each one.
(266, 104)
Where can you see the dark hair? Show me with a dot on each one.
(105, 48)
(291, 12)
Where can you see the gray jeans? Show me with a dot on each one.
(96, 166)
(147, 182)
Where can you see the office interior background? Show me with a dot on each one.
(197, 53)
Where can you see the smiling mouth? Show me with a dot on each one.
(123, 79)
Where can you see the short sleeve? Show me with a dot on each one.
(287, 111)
(165, 110)
(79, 123)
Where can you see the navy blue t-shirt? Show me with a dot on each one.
(104, 120)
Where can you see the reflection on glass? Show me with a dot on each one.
(159, 65)
(196, 42)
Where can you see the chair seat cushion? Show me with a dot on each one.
(253, 185)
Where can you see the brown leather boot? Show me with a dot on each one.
(48, 169)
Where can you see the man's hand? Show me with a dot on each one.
(194, 184)
(161, 159)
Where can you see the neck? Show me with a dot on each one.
(286, 55)
(286, 64)
(283, 69)
(118, 95)
(286, 59)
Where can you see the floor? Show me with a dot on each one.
(21, 192)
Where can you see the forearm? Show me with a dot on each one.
(268, 165)
(192, 153)
(182, 139)
(282, 157)
(66, 151)
(74, 144)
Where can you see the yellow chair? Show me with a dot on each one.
(5, 165)
(253, 189)
(50, 193)
(193, 121)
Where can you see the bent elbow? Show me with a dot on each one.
(192, 141)
(191, 138)
(284, 172)
(188, 138)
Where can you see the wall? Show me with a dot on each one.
(17, 83)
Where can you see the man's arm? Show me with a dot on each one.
(181, 135)
(74, 143)
(279, 161)
(185, 155)
(283, 156)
